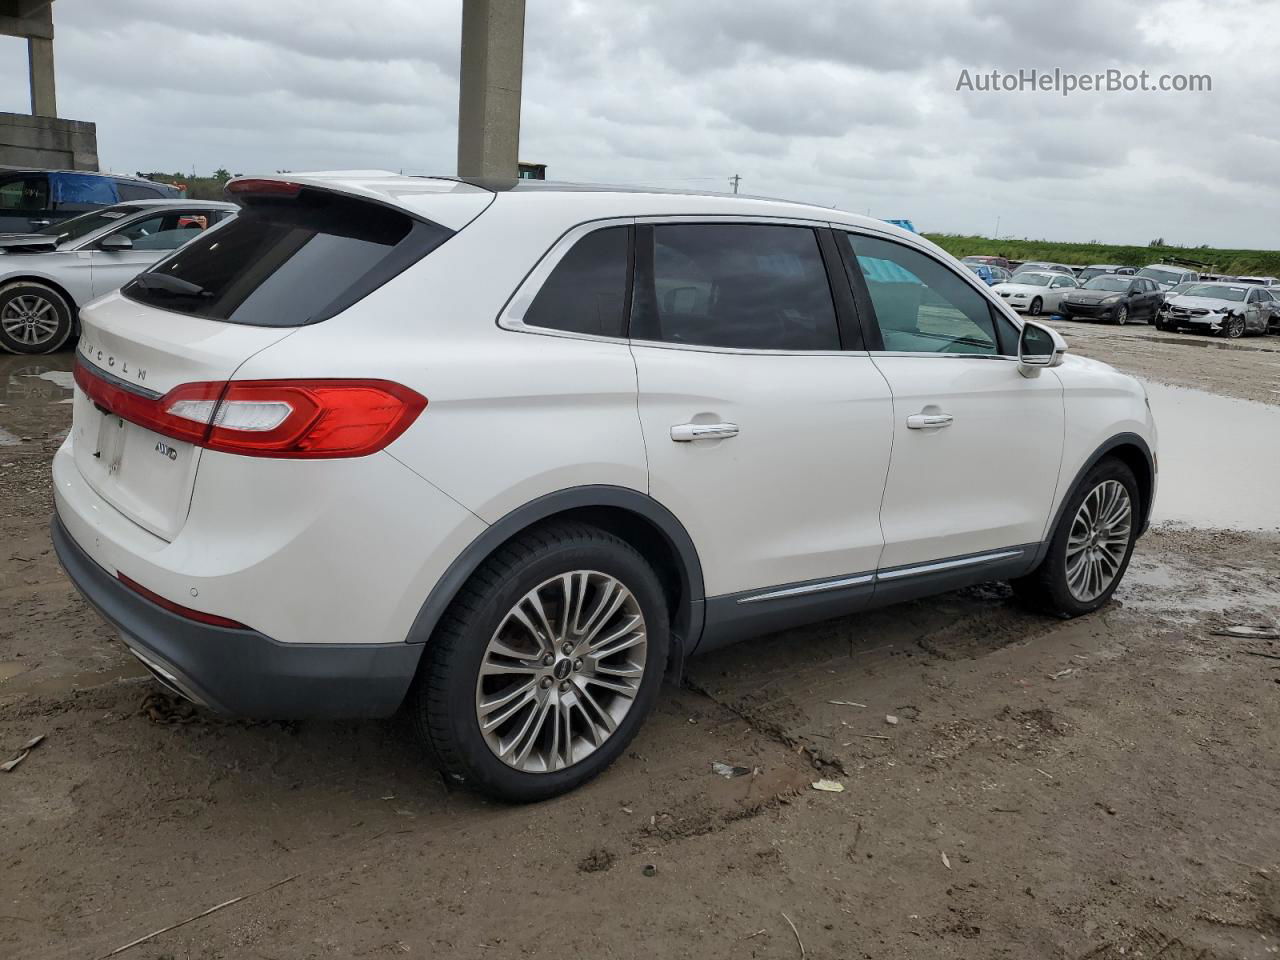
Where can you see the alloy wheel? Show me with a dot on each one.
(1235, 328)
(29, 319)
(561, 671)
(1122, 316)
(1099, 540)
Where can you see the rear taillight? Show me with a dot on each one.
(260, 187)
(267, 418)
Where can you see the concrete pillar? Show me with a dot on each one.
(489, 88)
(40, 57)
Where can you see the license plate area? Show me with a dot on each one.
(144, 475)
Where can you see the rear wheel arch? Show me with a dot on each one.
(630, 515)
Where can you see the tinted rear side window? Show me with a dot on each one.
(750, 286)
(587, 290)
(288, 262)
(136, 191)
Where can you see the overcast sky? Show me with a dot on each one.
(846, 104)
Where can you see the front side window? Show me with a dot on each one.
(920, 304)
(25, 193)
(587, 290)
(746, 286)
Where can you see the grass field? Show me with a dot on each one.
(1246, 262)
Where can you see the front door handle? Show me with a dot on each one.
(684, 432)
(40, 223)
(929, 421)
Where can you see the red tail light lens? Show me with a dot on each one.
(260, 187)
(267, 418)
(199, 616)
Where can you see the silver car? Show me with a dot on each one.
(1229, 309)
(45, 277)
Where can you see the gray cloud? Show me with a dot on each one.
(852, 104)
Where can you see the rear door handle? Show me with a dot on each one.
(40, 223)
(929, 421)
(684, 432)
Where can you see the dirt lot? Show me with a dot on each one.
(1099, 789)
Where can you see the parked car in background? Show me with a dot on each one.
(1102, 269)
(34, 199)
(1178, 288)
(1263, 281)
(1115, 299)
(1034, 291)
(989, 261)
(1042, 267)
(1230, 309)
(46, 276)
(990, 273)
(1167, 276)
(278, 523)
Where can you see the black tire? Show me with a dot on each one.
(1122, 315)
(442, 703)
(1035, 307)
(29, 292)
(1235, 328)
(1045, 588)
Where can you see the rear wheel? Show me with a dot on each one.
(545, 665)
(1091, 545)
(34, 318)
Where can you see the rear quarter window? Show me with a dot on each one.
(286, 262)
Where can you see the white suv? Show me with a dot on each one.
(507, 454)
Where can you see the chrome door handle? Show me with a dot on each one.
(684, 432)
(40, 223)
(929, 421)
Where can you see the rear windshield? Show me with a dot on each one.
(285, 262)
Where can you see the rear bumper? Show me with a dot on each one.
(243, 672)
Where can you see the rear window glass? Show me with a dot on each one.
(587, 290)
(287, 262)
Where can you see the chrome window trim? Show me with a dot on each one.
(511, 317)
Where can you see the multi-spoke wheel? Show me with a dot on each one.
(561, 671)
(545, 665)
(1234, 329)
(34, 318)
(1099, 540)
(1091, 545)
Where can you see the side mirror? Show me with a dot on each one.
(115, 243)
(1039, 346)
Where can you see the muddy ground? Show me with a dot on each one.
(1099, 789)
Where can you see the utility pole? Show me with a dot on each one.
(997, 236)
(734, 180)
(492, 66)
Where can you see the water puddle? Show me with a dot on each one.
(1219, 460)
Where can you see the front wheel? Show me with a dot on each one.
(545, 665)
(1122, 315)
(1036, 306)
(1234, 329)
(1091, 545)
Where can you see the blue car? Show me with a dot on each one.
(32, 199)
(989, 273)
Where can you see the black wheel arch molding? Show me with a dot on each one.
(621, 510)
(1141, 460)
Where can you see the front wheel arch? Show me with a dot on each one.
(1131, 450)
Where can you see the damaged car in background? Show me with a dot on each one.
(1229, 309)
(46, 276)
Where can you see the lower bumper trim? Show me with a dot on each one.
(243, 672)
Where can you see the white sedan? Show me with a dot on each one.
(47, 276)
(1036, 292)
